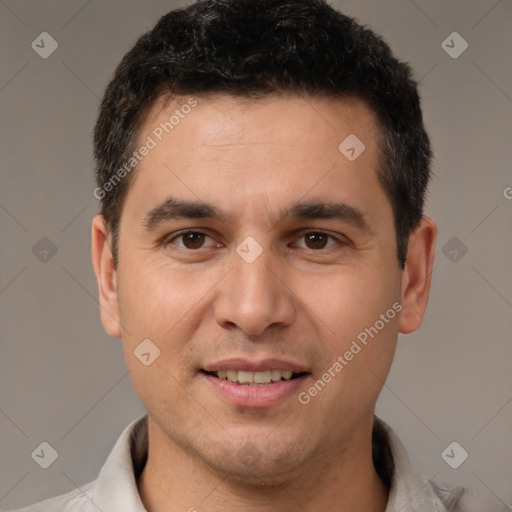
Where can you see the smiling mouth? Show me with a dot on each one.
(255, 378)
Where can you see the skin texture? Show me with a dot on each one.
(297, 301)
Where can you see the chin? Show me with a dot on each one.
(258, 465)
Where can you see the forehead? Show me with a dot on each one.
(229, 119)
(271, 151)
(276, 130)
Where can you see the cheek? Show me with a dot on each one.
(361, 351)
(164, 304)
(155, 309)
(346, 303)
(359, 322)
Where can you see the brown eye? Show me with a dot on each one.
(189, 240)
(316, 240)
(193, 239)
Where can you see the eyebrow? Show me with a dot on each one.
(338, 211)
(174, 208)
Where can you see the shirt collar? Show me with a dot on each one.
(409, 490)
(117, 481)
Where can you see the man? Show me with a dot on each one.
(262, 168)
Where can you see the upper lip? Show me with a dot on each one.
(248, 365)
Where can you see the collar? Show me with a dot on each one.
(408, 489)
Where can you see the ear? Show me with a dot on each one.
(106, 274)
(417, 275)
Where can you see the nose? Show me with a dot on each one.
(256, 295)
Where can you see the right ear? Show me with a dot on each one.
(106, 274)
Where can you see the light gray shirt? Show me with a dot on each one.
(115, 489)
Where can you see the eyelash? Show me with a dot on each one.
(340, 242)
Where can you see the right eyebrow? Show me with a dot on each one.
(173, 208)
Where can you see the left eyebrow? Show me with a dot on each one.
(338, 211)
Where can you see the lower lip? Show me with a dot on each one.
(258, 395)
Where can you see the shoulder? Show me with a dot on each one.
(459, 499)
(412, 490)
(78, 500)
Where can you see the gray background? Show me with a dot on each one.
(63, 380)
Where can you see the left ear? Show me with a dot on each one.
(417, 275)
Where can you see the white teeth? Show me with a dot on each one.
(232, 375)
(276, 375)
(262, 377)
(244, 377)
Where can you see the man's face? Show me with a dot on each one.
(263, 287)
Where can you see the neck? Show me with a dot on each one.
(174, 480)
